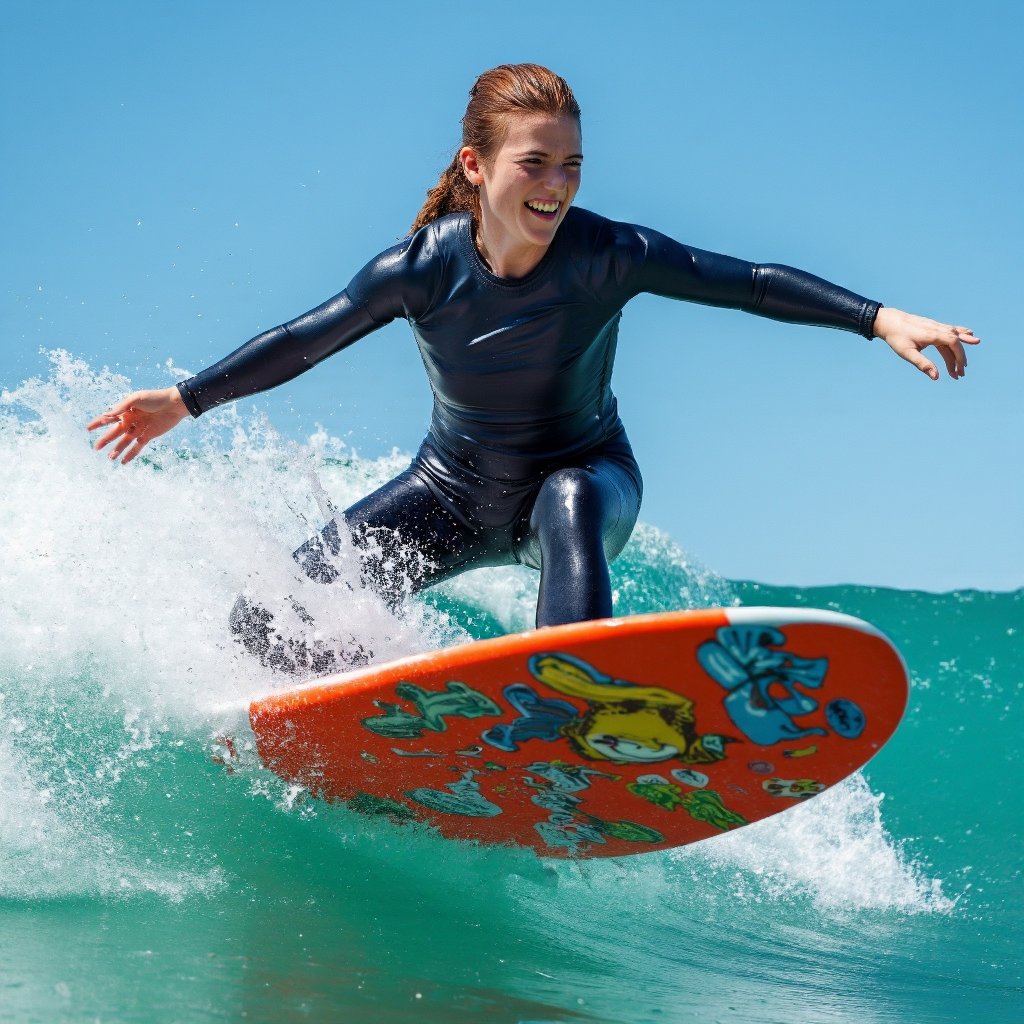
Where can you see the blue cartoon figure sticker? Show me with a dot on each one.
(748, 662)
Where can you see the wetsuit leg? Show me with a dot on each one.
(580, 520)
(407, 539)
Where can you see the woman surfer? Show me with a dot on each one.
(514, 297)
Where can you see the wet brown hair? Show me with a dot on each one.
(496, 96)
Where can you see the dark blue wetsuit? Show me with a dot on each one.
(526, 458)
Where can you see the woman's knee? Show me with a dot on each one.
(585, 508)
(570, 512)
(571, 497)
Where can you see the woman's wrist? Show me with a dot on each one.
(185, 400)
(885, 318)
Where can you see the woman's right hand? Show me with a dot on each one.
(138, 419)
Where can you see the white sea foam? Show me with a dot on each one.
(134, 569)
(115, 588)
(51, 850)
(834, 849)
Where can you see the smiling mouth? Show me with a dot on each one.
(544, 210)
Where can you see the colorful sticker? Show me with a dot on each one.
(845, 717)
(456, 701)
(653, 780)
(802, 752)
(742, 661)
(569, 826)
(464, 798)
(624, 722)
(701, 804)
(689, 777)
(796, 789)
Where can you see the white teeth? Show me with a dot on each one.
(540, 207)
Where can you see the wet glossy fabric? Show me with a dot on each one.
(526, 458)
(521, 370)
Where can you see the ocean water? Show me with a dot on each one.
(140, 881)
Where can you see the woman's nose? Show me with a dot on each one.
(555, 180)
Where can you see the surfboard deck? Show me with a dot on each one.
(606, 738)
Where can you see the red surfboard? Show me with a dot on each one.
(598, 739)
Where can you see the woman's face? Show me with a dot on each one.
(526, 187)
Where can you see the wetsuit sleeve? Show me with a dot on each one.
(390, 286)
(663, 266)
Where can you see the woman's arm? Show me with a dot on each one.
(666, 267)
(280, 354)
(389, 286)
(395, 283)
(263, 362)
(663, 266)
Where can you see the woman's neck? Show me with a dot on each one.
(506, 260)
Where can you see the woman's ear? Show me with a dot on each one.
(472, 166)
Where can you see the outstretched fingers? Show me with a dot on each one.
(922, 362)
(911, 335)
(114, 414)
(110, 435)
(955, 361)
(129, 446)
(953, 351)
(126, 434)
(116, 417)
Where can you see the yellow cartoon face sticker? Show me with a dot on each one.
(644, 736)
(623, 722)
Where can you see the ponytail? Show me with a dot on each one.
(496, 96)
(451, 194)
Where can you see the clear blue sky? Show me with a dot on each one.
(180, 176)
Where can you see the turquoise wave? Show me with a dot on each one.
(140, 881)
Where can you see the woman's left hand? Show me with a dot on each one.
(908, 335)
